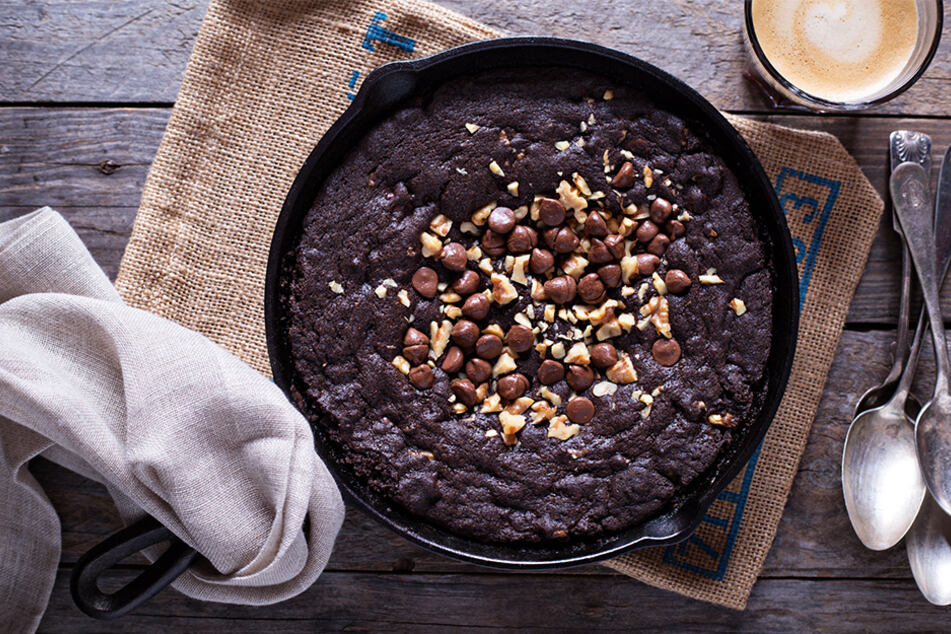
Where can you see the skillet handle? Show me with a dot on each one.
(146, 532)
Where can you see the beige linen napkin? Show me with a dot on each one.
(266, 79)
(175, 426)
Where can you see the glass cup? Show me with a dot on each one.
(783, 93)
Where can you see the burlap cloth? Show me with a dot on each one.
(266, 79)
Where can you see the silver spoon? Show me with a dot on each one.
(929, 552)
(929, 540)
(881, 480)
(915, 147)
(912, 202)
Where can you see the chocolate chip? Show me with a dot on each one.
(675, 229)
(666, 352)
(677, 281)
(421, 377)
(454, 257)
(594, 225)
(416, 354)
(603, 355)
(551, 212)
(465, 391)
(502, 220)
(522, 239)
(580, 410)
(579, 377)
(615, 244)
(488, 346)
(425, 281)
(512, 386)
(415, 337)
(549, 236)
(566, 241)
(647, 231)
(591, 288)
(520, 338)
(660, 210)
(561, 290)
(478, 370)
(624, 177)
(541, 261)
(598, 253)
(476, 306)
(468, 283)
(610, 274)
(493, 244)
(647, 263)
(453, 361)
(465, 333)
(550, 371)
(658, 246)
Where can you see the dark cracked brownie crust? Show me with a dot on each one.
(515, 424)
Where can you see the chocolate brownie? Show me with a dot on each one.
(530, 306)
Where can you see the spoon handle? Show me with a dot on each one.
(911, 199)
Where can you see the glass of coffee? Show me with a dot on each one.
(840, 54)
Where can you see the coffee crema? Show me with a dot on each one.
(839, 50)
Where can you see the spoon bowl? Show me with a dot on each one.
(933, 440)
(881, 481)
(929, 552)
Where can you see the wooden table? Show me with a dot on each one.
(86, 89)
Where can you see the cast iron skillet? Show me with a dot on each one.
(384, 90)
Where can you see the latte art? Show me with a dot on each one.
(838, 50)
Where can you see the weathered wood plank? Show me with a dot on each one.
(54, 156)
(814, 538)
(551, 602)
(136, 50)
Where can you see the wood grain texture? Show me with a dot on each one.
(136, 50)
(91, 163)
(354, 601)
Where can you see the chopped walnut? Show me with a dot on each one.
(439, 337)
(738, 306)
(493, 403)
(549, 396)
(432, 245)
(519, 268)
(495, 168)
(648, 177)
(710, 277)
(578, 354)
(561, 146)
(519, 405)
(481, 215)
(658, 310)
(541, 410)
(622, 372)
(574, 265)
(502, 290)
(608, 95)
(626, 321)
(581, 184)
(570, 197)
(459, 408)
(511, 423)
(450, 297)
(504, 365)
(513, 188)
(604, 388)
(403, 296)
(558, 429)
(401, 364)
(485, 265)
(491, 433)
(336, 287)
(609, 330)
(380, 291)
(558, 350)
(494, 329)
(474, 253)
(472, 128)
(452, 312)
(659, 284)
(440, 225)
(722, 420)
(628, 268)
